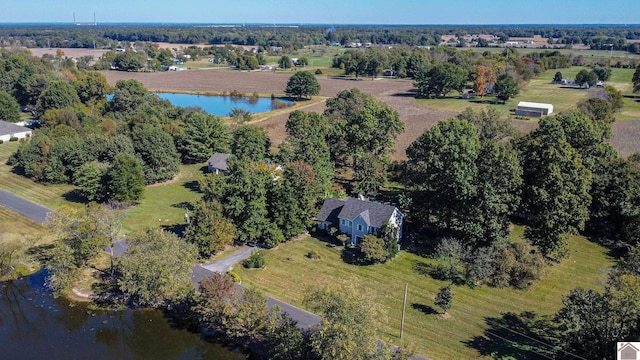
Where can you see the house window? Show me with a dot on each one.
(359, 227)
(342, 221)
(350, 223)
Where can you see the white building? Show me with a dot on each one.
(533, 109)
(10, 130)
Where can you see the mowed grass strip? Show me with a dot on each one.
(16, 226)
(288, 272)
(164, 205)
(51, 196)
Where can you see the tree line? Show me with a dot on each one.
(597, 36)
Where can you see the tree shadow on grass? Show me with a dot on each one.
(183, 205)
(520, 336)
(74, 197)
(192, 185)
(425, 309)
(177, 229)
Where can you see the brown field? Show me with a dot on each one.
(69, 52)
(398, 94)
(393, 92)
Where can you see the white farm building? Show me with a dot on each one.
(9, 130)
(533, 109)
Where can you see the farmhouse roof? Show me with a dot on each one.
(219, 161)
(330, 210)
(7, 128)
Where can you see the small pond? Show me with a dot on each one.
(221, 105)
(35, 325)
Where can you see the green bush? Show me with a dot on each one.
(255, 261)
(1, 141)
(318, 72)
(13, 138)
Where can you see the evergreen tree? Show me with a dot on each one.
(125, 179)
(203, 136)
(444, 298)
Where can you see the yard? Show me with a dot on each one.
(288, 272)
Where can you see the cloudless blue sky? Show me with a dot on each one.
(327, 11)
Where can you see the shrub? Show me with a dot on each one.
(313, 255)
(255, 261)
(318, 72)
(1, 141)
(236, 94)
(277, 104)
(240, 115)
(13, 138)
(234, 276)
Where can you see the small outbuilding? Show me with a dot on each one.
(10, 130)
(533, 109)
(217, 163)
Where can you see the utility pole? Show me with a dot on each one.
(404, 306)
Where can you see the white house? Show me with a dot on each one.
(358, 218)
(9, 130)
(533, 109)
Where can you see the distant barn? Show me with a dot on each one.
(533, 109)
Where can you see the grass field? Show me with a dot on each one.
(541, 90)
(51, 196)
(596, 54)
(164, 204)
(288, 272)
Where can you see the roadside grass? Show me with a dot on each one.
(51, 196)
(163, 205)
(289, 272)
(17, 229)
(14, 226)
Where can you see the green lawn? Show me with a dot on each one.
(288, 272)
(164, 204)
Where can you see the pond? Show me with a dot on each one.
(34, 324)
(222, 105)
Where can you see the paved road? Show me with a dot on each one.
(304, 318)
(227, 263)
(24, 207)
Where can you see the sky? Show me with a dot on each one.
(420, 12)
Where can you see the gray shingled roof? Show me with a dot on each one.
(330, 210)
(374, 214)
(219, 161)
(7, 128)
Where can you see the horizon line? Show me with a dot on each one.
(244, 24)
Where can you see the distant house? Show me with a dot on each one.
(10, 130)
(628, 352)
(358, 218)
(217, 163)
(533, 109)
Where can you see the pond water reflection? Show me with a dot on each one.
(35, 325)
(221, 105)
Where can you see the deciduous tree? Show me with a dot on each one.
(156, 269)
(302, 84)
(484, 78)
(209, 230)
(9, 108)
(349, 322)
(506, 87)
